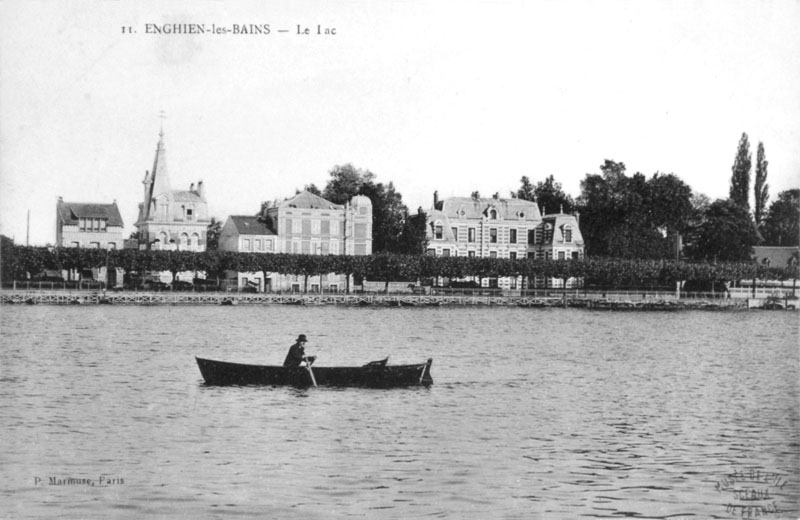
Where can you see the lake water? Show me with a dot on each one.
(534, 413)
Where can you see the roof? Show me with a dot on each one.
(186, 196)
(249, 225)
(307, 200)
(469, 208)
(70, 212)
(777, 256)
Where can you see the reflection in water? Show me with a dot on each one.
(553, 413)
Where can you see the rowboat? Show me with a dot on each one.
(377, 374)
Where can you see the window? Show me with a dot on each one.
(512, 255)
(268, 245)
(493, 235)
(315, 227)
(306, 227)
(437, 231)
(492, 254)
(430, 251)
(103, 223)
(561, 255)
(297, 225)
(575, 255)
(568, 234)
(493, 214)
(471, 234)
(94, 245)
(548, 234)
(531, 236)
(471, 254)
(189, 213)
(325, 227)
(258, 244)
(445, 252)
(454, 230)
(512, 236)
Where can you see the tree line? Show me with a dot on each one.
(658, 217)
(21, 262)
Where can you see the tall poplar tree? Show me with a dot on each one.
(761, 188)
(740, 180)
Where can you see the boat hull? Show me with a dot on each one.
(223, 373)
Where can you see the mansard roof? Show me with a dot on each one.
(249, 225)
(70, 212)
(469, 208)
(307, 200)
(186, 196)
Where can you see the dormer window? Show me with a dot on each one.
(438, 231)
(492, 214)
(568, 234)
(548, 233)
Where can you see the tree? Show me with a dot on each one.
(388, 211)
(740, 179)
(525, 191)
(413, 238)
(782, 222)
(633, 217)
(761, 188)
(212, 234)
(549, 195)
(726, 234)
(345, 183)
(312, 188)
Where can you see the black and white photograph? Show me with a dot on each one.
(394, 259)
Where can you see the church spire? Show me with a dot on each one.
(159, 175)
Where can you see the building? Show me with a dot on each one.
(501, 228)
(171, 219)
(90, 225)
(309, 224)
(304, 224)
(248, 234)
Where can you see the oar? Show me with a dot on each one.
(311, 372)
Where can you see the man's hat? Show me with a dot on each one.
(302, 337)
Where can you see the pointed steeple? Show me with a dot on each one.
(159, 175)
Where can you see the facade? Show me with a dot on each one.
(248, 234)
(304, 224)
(90, 225)
(309, 224)
(501, 228)
(171, 219)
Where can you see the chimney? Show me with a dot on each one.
(191, 187)
(496, 195)
(200, 189)
(435, 199)
(60, 198)
(578, 219)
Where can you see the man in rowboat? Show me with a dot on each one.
(297, 353)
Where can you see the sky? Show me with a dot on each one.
(429, 95)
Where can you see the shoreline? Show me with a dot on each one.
(382, 300)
